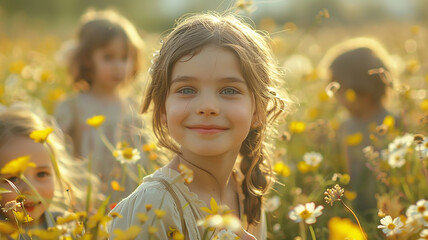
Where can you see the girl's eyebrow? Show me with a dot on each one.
(226, 79)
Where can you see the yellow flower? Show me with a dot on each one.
(350, 95)
(142, 217)
(7, 229)
(424, 105)
(16, 67)
(148, 207)
(160, 213)
(303, 167)
(389, 121)
(128, 155)
(129, 234)
(96, 121)
(175, 234)
(313, 113)
(350, 195)
(281, 169)
(297, 127)
(153, 156)
(22, 217)
(267, 24)
(67, 219)
(345, 178)
(214, 207)
(116, 186)
(152, 230)
(40, 136)
(50, 234)
(149, 147)
(115, 215)
(17, 166)
(343, 228)
(323, 97)
(415, 29)
(354, 139)
(186, 172)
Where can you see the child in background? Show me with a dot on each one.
(58, 196)
(105, 60)
(213, 105)
(360, 68)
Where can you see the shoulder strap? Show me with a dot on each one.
(176, 200)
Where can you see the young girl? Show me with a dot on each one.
(361, 67)
(19, 152)
(106, 58)
(213, 102)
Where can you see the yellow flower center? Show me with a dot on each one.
(421, 209)
(305, 214)
(391, 226)
(426, 218)
(128, 153)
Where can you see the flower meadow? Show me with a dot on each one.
(311, 198)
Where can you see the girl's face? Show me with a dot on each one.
(209, 109)
(112, 65)
(41, 176)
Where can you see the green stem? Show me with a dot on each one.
(105, 140)
(356, 218)
(311, 229)
(406, 189)
(89, 189)
(302, 230)
(38, 195)
(55, 166)
(130, 173)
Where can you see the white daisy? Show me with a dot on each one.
(226, 235)
(396, 159)
(307, 213)
(312, 158)
(272, 204)
(391, 227)
(423, 148)
(423, 235)
(401, 143)
(418, 209)
(128, 155)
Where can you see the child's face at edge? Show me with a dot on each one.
(209, 109)
(41, 176)
(112, 65)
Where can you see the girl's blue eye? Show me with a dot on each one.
(186, 91)
(229, 91)
(42, 174)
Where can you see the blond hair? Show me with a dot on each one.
(74, 175)
(96, 30)
(260, 72)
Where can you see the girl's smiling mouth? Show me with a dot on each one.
(207, 129)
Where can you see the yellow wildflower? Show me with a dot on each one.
(354, 139)
(290, 26)
(345, 178)
(159, 213)
(153, 156)
(424, 105)
(149, 147)
(7, 229)
(343, 228)
(281, 169)
(22, 217)
(67, 219)
(267, 24)
(186, 172)
(214, 207)
(350, 195)
(129, 234)
(152, 230)
(116, 186)
(142, 217)
(415, 29)
(40, 136)
(350, 95)
(175, 234)
(389, 121)
(17, 166)
(303, 167)
(50, 234)
(297, 127)
(115, 215)
(16, 67)
(148, 207)
(96, 121)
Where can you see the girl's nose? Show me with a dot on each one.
(207, 106)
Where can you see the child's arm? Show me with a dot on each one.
(133, 208)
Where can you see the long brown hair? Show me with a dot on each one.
(260, 72)
(96, 30)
